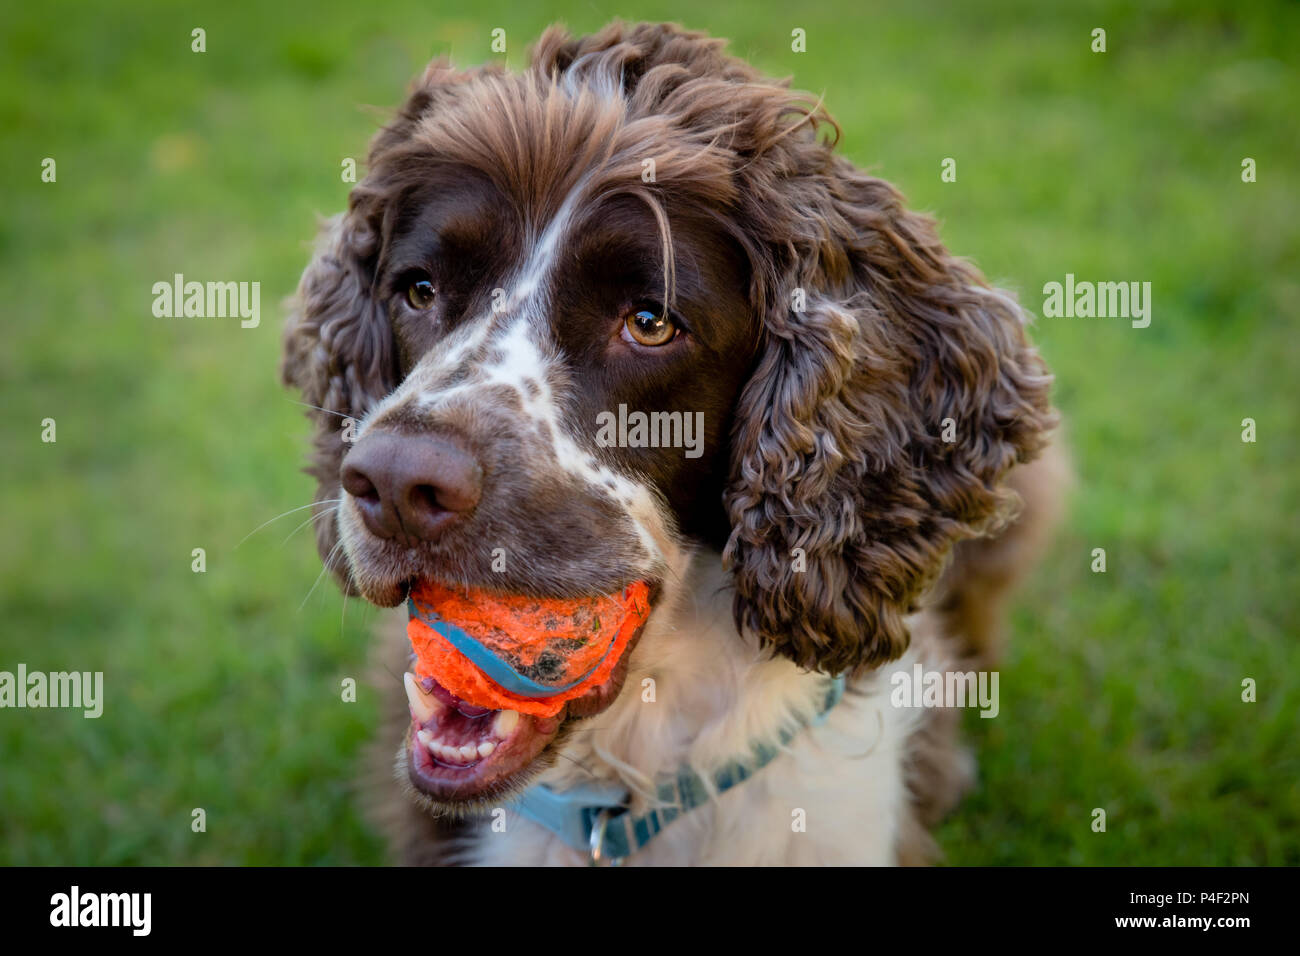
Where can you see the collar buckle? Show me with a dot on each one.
(596, 855)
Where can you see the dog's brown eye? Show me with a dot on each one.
(421, 294)
(649, 328)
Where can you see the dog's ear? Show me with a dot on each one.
(338, 351)
(338, 344)
(892, 392)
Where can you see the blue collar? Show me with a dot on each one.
(595, 820)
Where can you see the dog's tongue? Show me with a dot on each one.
(510, 652)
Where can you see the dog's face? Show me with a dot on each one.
(521, 325)
(640, 225)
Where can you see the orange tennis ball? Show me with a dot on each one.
(545, 651)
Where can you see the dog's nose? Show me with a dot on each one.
(409, 487)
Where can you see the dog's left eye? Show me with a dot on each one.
(649, 327)
(421, 294)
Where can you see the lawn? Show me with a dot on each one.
(1122, 690)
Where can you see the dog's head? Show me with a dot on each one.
(640, 225)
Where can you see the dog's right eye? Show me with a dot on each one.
(649, 327)
(421, 294)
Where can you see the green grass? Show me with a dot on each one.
(1121, 690)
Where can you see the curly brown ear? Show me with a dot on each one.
(892, 394)
(336, 344)
(337, 350)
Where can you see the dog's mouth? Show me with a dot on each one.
(458, 752)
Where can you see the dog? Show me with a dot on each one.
(639, 222)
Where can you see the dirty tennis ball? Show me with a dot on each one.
(513, 652)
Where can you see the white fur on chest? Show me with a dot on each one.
(834, 796)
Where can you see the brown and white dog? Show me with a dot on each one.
(641, 221)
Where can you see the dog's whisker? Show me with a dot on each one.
(323, 501)
(327, 411)
(576, 762)
(325, 566)
(313, 518)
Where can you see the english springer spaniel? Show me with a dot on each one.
(641, 223)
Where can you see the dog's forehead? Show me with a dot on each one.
(564, 170)
(540, 138)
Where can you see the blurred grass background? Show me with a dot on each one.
(1121, 690)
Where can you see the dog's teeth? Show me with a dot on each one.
(485, 748)
(423, 706)
(505, 723)
(469, 751)
(425, 738)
